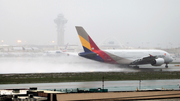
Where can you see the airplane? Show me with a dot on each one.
(65, 49)
(122, 57)
(58, 51)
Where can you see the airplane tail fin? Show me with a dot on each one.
(91, 51)
(65, 49)
(86, 41)
(66, 46)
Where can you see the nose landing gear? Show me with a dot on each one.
(166, 65)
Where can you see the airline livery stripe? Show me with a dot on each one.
(93, 45)
(82, 33)
(86, 50)
(85, 43)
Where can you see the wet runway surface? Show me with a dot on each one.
(65, 63)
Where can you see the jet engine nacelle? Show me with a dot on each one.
(157, 62)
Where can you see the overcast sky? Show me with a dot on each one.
(141, 23)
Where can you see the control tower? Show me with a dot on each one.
(60, 21)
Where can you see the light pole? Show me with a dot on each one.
(159, 45)
(139, 84)
(170, 45)
(127, 45)
(2, 41)
(147, 45)
(53, 42)
(19, 41)
(103, 83)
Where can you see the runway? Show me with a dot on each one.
(126, 85)
(66, 63)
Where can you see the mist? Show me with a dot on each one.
(57, 64)
(134, 23)
(138, 23)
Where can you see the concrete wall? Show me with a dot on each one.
(119, 95)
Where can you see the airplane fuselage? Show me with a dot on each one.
(128, 57)
(123, 57)
(133, 55)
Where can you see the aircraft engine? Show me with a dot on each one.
(157, 62)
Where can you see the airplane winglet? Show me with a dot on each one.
(150, 55)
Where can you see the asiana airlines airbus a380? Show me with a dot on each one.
(122, 57)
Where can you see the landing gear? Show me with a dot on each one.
(137, 67)
(166, 65)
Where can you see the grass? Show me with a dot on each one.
(89, 76)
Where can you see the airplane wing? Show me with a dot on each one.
(146, 60)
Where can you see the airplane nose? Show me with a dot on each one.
(171, 59)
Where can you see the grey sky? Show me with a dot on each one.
(137, 22)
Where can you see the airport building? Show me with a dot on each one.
(60, 21)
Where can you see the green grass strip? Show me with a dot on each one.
(89, 76)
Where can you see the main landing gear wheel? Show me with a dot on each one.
(137, 67)
(166, 66)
